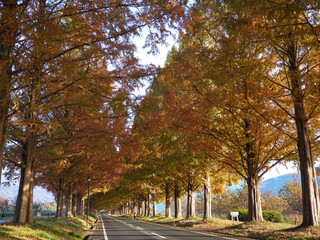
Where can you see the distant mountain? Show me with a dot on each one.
(40, 195)
(271, 184)
(274, 184)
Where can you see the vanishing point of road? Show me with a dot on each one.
(117, 228)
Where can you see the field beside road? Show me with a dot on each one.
(260, 230)
(46, 228)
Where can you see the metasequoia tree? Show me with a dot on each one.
(299, 59)
(148, 151)
(167, 153)
(8, 23)
(131, 194)
(55, 35)
(82, 145)
(289, 31)
(213, 83)
(23, 210)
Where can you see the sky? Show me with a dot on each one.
(280, 170)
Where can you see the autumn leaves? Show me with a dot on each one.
(67, 69)
(238, 96)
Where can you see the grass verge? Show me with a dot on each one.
(46, 228)
(271, 231)
(260, 230)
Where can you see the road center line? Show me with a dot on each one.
(157, 235)
(104, 230)
(139, 228)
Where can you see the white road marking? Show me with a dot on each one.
(208, 234)
(157, 235)
(104, 230)
(202, 233)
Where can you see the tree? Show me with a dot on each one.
(289, 30)
(228, 201)
(68, 34)
(292, 194)
(4, 204)
(271, 201)
(212, 86)
(8, 22)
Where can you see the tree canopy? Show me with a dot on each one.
(238, 94)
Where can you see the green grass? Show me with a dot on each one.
(259, 230)
(46, 228)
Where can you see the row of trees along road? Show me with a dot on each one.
(239, 95)
(66, 72)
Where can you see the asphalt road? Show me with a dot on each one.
(116, 228)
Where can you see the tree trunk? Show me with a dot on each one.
(23, 211)
(193, 204)
(145, 207)
(135, 207)
(69, 203)
(58, 199)
(139, 208)
(188, 202)
(168, 201)
(254, 200)
(177, 202)
(63, 204)
(207, 198)
(3, 125)
(82, 206)
(149, 204)
(74, 205)
(154, 212)
(8, 27)
(130, 207)
(126, 208)
(60, 213)
(310, 192)
(78, 204)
